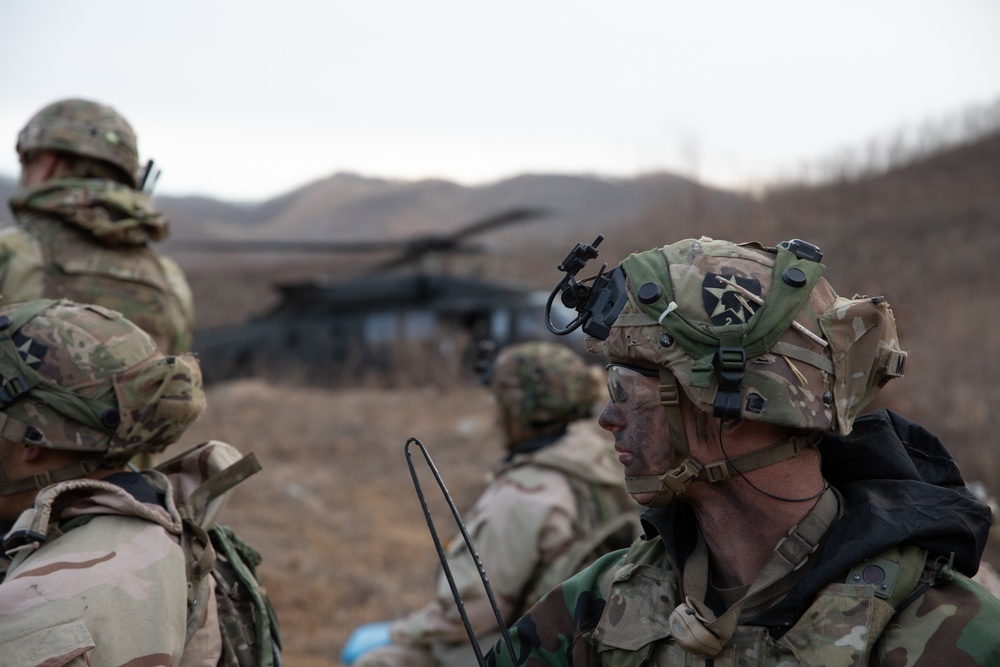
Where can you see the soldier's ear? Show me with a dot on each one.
(41, 166)
(31, 453)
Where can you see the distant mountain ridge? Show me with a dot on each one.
(351, 207)
(347, 206)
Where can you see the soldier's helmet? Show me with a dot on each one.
(543, 386)
(84, 128)
(82, 377)
(755, 332)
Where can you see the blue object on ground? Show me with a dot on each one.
(364, 639)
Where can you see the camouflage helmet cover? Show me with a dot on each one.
(82, 377)
(543, 385)
(85, 128)
(803, 356)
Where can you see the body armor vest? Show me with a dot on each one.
(131, 280)
(839, 627)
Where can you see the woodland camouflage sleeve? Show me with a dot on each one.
(553, 632)
(954, 624)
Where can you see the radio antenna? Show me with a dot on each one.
(444, 560)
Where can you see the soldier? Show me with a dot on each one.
(95, 574)
(84, 230)
(783, 527)
(557, 485)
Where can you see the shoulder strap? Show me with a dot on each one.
(582, 553)
(222, 481)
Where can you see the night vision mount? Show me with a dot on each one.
(597, 304)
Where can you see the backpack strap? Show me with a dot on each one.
(199, 558)
(222, 481)
(585, 550)
(199, 552)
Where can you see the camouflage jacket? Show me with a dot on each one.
(88, 240)
(541, 500)
(903, 499)
(97, 578)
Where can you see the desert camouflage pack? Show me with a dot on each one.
(220, 565)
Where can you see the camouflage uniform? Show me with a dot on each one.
(88, 239)
(887, 580)
(549, 493)
(96, 574)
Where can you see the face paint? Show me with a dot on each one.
(632, 385)
(636, 418)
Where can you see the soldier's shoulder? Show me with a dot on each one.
(16, 238)
(178, 282)
(955, 622)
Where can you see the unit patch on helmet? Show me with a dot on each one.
(725, 302)
(31, 351)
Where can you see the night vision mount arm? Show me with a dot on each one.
(150, 175)
(598, 304)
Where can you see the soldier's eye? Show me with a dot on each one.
(617, 392)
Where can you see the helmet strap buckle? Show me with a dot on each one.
(13, 389)
(676, 480)
(730, 364)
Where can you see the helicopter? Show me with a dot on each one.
(398, 321)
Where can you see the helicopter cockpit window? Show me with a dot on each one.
(381, 328)
(420, 325)
(500, 320)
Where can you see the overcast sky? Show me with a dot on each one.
(246, 99)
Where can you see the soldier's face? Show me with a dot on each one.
(9, 471)
(32, 171)
(15, 465)
(634, 415)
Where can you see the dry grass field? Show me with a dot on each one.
(334, 511)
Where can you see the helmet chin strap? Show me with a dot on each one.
(672, 483)
(14, 430)
(48, 477)
(676, 480)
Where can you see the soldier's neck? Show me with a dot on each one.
(742, 525)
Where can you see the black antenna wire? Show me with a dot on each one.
(444, 560)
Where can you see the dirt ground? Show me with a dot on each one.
(334, 511)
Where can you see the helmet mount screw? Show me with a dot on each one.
(110, 418)
(795, 277)
(649, 293)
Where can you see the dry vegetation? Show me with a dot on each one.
(334, 512)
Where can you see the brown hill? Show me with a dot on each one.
(346, 207)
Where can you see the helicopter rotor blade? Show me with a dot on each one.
(410, 249)
(499, 220)
(286, 245)
(452, 243)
